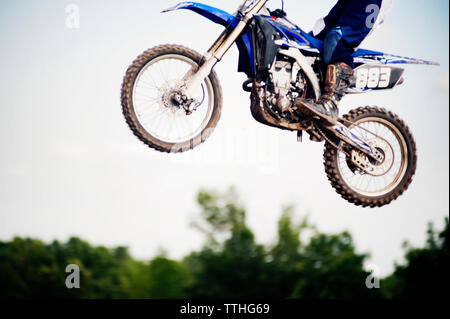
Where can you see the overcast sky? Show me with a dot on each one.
(69, 165)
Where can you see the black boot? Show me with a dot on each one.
(338, 80)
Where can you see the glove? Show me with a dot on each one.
(318, 27)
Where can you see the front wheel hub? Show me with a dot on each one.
(175, 101)
(169, 100)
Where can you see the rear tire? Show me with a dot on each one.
(130, 113)
(333, 161)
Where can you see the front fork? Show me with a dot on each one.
(218, 50)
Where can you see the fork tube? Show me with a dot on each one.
(219, 42)
(218, 50)
(229, 41)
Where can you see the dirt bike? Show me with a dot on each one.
(172, 99)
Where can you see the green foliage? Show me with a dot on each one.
(425, 274)
(168, 279)
(220, 213)
(233, 268)
(31, 269)
(302, 263)
(326, 267)
(332, 269)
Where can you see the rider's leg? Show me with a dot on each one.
(337, 54)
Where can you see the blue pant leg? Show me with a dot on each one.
(329, 46)
(343, 53)
(339, 45)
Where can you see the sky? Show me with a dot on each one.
(70, 166)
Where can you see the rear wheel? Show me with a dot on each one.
(364, 181)
(149, 105)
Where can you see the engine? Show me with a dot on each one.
(285, 85)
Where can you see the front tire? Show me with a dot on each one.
(341, 172)
(136, 109)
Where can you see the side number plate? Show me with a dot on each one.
(377, 77)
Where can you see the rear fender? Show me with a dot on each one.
(379, 71)
(366, 56)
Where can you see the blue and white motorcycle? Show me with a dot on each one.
(172, 99)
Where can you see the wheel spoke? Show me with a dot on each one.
(387, 139)
(152, 104)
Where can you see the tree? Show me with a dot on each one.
(425, 273)
(331, 269)
(31, 269)
(285, 259)
(168, 279)
(233, 268)
(231, 264)
(325, 267)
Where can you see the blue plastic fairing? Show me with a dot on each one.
(293, 37)
(215, 15)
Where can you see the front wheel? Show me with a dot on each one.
(385, 181)
(150, 109)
